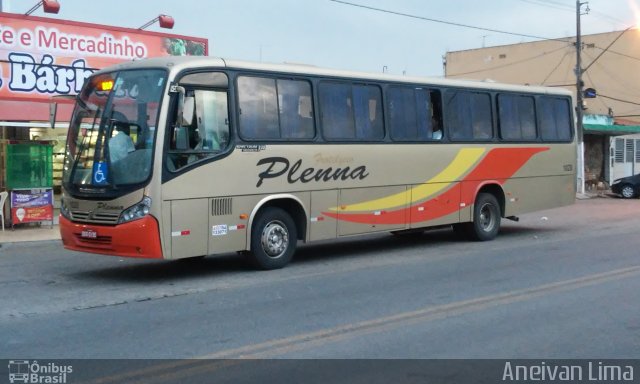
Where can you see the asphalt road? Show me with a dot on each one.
(560, 284)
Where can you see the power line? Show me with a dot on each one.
(560, 4)
(611, 18)
(509, 64)
(446, 22)
(601, 96)
(606, 49)
(550, 5)
(619, 100)
(619, 53)
(614, 76)
(600, 99)
(555, 68)
(561, 85)
(571, 8)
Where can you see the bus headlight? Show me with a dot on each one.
(137, 211)
(64, 210)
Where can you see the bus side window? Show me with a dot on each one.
(555, 119)
(208, 133)
(469, 115)
(436, 116)
(516, 117)
(351, 112)
(415, 114)
(258, 103)
(296, 109)
(275, 109)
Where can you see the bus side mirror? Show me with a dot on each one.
(182, 138)
(186, 106)
(186, 118)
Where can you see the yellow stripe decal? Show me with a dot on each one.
(460, 165)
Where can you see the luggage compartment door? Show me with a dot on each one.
(189, 224)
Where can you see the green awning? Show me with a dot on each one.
(611, 129)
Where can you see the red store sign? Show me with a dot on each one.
(42, 57)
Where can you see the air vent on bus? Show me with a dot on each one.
(97, 217)
(221, 207)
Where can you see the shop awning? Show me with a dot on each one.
(32, 113)
(613, 129)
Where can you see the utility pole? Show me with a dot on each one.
(444, 65)
(579, 98)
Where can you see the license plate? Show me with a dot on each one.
(89, 234)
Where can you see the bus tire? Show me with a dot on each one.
(486, 218)
(273, 239)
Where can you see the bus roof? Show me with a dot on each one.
(180, 63)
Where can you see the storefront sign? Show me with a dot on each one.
(28, 206)
(43, 57)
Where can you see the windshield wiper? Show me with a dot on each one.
(80, 149)
(107, 155)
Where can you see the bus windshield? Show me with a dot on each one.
(112, 131)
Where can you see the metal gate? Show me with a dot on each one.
(625, 157)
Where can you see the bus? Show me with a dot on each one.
(175, 158)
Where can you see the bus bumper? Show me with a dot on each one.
(139, 238)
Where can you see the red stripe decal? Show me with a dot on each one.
(497, 166)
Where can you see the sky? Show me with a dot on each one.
(328, 33)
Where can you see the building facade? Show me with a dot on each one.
(42, 60)
(611, 68)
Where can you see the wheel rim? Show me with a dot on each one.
(487, 219)
(627, 191)
(275, 239)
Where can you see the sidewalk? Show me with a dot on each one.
(23, 234)
(46, 232)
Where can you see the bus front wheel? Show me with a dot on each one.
(273, 239)
(486, 219)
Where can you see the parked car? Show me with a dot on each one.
(627, 187)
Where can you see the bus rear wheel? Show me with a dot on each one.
(273, 239)
(486, 219)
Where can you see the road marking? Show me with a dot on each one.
(175, 371)
(280, 346)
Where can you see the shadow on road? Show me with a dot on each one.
(150, 271)
(352, 248)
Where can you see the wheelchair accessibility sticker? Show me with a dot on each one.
(100, 173)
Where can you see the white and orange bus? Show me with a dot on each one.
(185, 157)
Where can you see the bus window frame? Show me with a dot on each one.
(430, 89)
(275, 77)
(572, 123)
(171, 119)
(380, 85)
(122, 190)
(492, 110)
(536, 114)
